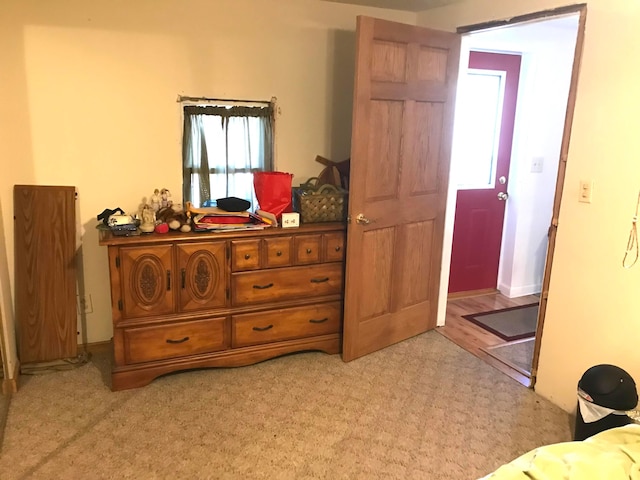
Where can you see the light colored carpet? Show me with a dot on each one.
(421, 409)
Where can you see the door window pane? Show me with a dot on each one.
(477, 128)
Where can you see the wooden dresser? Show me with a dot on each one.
(193, 300)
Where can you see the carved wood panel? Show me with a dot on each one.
(203, 275)
(148, 281)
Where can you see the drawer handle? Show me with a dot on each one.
(262, 287)
(322, 320)
(182, 340)
(319, 280)
(308, 250)
(279, 253)
(168, 280)
(338, 248)
(263, 329)
(247, 256)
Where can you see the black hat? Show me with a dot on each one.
(233, 204)
(610, 386)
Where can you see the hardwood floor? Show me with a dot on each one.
(473, 338)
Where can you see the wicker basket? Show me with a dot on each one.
(325, 203)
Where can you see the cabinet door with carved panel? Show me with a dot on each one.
(203, 274)
(147, 283)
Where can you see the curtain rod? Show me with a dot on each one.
(205, 99)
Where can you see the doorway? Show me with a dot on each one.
(484, 126)
(547, 46)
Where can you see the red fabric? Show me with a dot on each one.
(273, 191)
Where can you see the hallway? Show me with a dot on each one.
(473, 338)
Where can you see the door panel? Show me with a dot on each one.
(45, 272)
(203, 276)
(479, 219)
(149, 287)
(405, 86)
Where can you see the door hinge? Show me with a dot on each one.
(117, 262)
(120, 305)
(228, 252)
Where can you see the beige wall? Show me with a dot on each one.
(593, 313)
(89, 95)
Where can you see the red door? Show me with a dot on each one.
(484, 134)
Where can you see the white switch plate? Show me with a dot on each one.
(586, 191)
(536, 164)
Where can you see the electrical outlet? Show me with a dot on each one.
(586, 191)
(85, 305)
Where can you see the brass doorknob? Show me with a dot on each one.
(362, 220)
(503, 196)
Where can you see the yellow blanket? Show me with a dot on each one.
(610, 455)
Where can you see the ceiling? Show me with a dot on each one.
(407, 5)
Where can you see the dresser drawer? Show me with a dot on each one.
(286, 283)
(307, 249)
(145, 344)
(278, 252)
(245, 254)
(334, 247)
(286, 324)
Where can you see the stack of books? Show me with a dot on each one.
(214, 219)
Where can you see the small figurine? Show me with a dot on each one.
(165, 195)
(148, 219)
(155, 200)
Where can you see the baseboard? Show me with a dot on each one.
(515, 292)
(97, 347)
(471, 293)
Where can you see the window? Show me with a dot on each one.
(477, 126)
(222, 146)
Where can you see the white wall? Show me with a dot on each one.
(89, 99)
(592, 314)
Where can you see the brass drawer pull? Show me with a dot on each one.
(322, 320)
(319, 280)
(338, 248)
(182, 340)
(308, 250)
(279, 253)
(263, 329)
(247, 256)
(262, 287)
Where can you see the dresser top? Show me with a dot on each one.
(107, 238)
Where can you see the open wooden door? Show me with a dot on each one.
(406, 79)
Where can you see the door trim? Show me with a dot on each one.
(527, 17)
